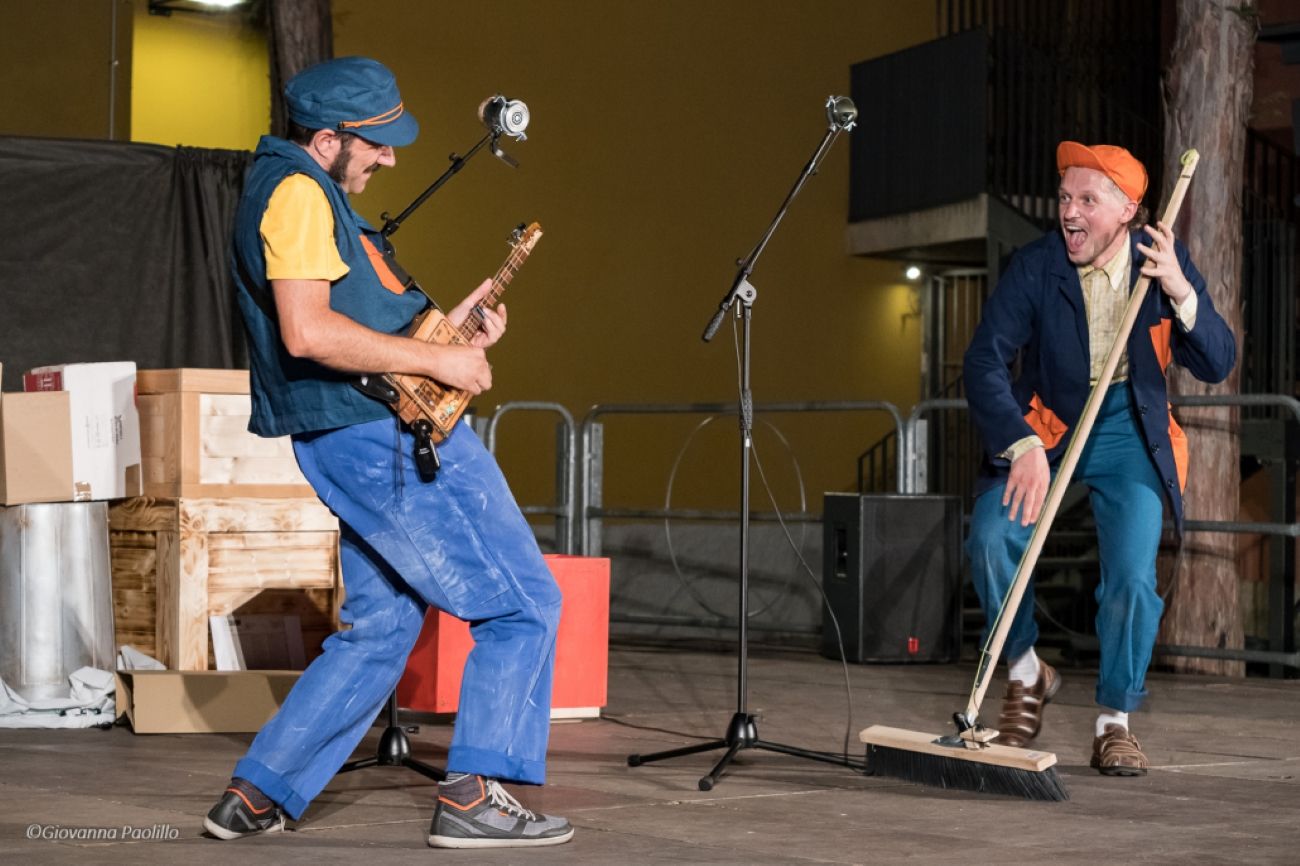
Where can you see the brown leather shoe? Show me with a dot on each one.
(1117, 753)
(1022, 708)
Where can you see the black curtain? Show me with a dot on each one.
(117, 252)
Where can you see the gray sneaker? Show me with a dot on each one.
(476, 812)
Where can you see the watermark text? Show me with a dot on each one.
(124, 833)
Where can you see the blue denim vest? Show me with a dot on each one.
(296, 395)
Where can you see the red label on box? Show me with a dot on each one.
(50, 380)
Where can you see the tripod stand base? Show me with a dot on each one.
(394, 750)
(742, 733)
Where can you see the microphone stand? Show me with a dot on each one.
(394, 746)
(742, 731)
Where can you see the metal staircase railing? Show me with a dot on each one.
(1044, 84)
(1269, 219)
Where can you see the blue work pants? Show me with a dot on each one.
(1128, 505)
(459, 544)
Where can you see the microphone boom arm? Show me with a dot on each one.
(741, 287)
(392, 224)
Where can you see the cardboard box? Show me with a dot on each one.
(432, 679)
(194, 439)
(201, 702)
(105, 425)
(35, 448)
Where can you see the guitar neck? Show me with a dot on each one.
(474, 321)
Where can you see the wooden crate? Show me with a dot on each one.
(194, 439)
(176, 562)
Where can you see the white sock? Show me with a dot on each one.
(1111, 717)
(1024, 668)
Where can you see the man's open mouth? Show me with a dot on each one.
(1075, 238)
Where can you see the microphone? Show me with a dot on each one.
(841, 112)
(502, 115)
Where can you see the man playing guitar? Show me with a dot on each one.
(320, 306)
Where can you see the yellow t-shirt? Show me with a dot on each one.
(298, 233)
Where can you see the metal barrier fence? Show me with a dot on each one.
(914, 453)
(564, 510)
(579, 508)
(913, 443)
(592, 459)
(1281, 597)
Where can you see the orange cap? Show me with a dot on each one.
(1115, 162)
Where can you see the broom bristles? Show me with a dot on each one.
(954, 773)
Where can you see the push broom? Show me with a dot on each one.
(968, 759)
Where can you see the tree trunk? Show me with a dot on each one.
(300, 33)
(1208, 91)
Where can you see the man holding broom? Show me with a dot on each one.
(1059, 306)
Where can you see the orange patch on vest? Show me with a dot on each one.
(1160, 335)
(1178, 441)
(1160, 340)
(387, 278)
(1044, 423)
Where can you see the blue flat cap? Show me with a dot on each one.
(351, 94)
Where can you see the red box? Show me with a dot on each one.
(433, 671)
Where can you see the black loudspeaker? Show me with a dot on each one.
(892, 575)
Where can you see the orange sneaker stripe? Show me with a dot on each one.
(465, 807)
(256, 811)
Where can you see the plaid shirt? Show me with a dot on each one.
(1105, 295)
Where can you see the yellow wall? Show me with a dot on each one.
(664, 137)
(56, 68)
(198, 80)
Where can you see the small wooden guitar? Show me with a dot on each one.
(428, 406)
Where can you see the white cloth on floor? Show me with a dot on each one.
(89, 704)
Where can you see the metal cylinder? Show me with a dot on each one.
(56, 603)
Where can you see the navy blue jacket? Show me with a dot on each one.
(1038, 307)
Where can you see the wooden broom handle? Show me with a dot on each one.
(991, 653)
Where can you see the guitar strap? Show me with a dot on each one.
(396, 273)
(394, 277)
(376, 385)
